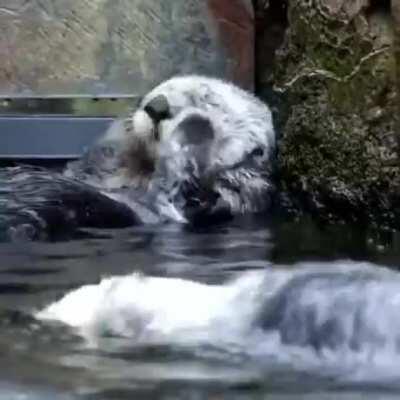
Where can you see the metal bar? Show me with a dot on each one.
(48, 138)
(74, 106)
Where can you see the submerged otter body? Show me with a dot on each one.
(39, 204)
(196, 149)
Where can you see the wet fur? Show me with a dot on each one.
(240, 154)
(39, 204)
(209, 155)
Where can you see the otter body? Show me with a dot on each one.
(39, 204)
(194, 128)
(196, 149)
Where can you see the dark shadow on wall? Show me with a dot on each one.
(271, 23)
(271, 18)
(380, 6)
(395, 10)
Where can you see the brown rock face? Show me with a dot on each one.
(235, 22)
(114, 47)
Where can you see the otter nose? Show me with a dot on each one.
(158, 109)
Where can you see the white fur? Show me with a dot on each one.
(235, 111)
(142, 124)
(240, 124)
(240, 121)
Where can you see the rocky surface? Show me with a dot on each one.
(335, 71)
(113, 47)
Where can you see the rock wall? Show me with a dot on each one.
(334, 71)
(120, 47)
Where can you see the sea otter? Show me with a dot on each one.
(195, 149)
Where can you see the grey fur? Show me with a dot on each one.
(237, 161)
(192, 140)
(196, 149)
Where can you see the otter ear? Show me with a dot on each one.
(196, 129)
(158, 109)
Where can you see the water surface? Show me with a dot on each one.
(254, 309)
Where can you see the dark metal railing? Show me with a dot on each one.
(55, 128)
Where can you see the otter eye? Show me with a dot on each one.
(257, 152)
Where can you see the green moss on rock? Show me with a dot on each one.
(338, 150)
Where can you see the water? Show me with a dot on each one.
(277, 310)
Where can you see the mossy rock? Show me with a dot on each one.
(338, 149)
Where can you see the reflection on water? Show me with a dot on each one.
(46, 359)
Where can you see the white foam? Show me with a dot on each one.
(343, 316)
(152, 309)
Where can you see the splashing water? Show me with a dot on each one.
(341, 315)
(151, 309)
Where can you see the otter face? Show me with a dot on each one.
(199, 140)
(182, 166)
(206, 176)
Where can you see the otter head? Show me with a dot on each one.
(205, 176)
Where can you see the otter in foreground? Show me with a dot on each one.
(196, 149)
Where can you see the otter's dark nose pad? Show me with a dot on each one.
(158, 109)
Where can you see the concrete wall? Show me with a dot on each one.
(116, 47)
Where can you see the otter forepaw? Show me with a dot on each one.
(206, 213)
